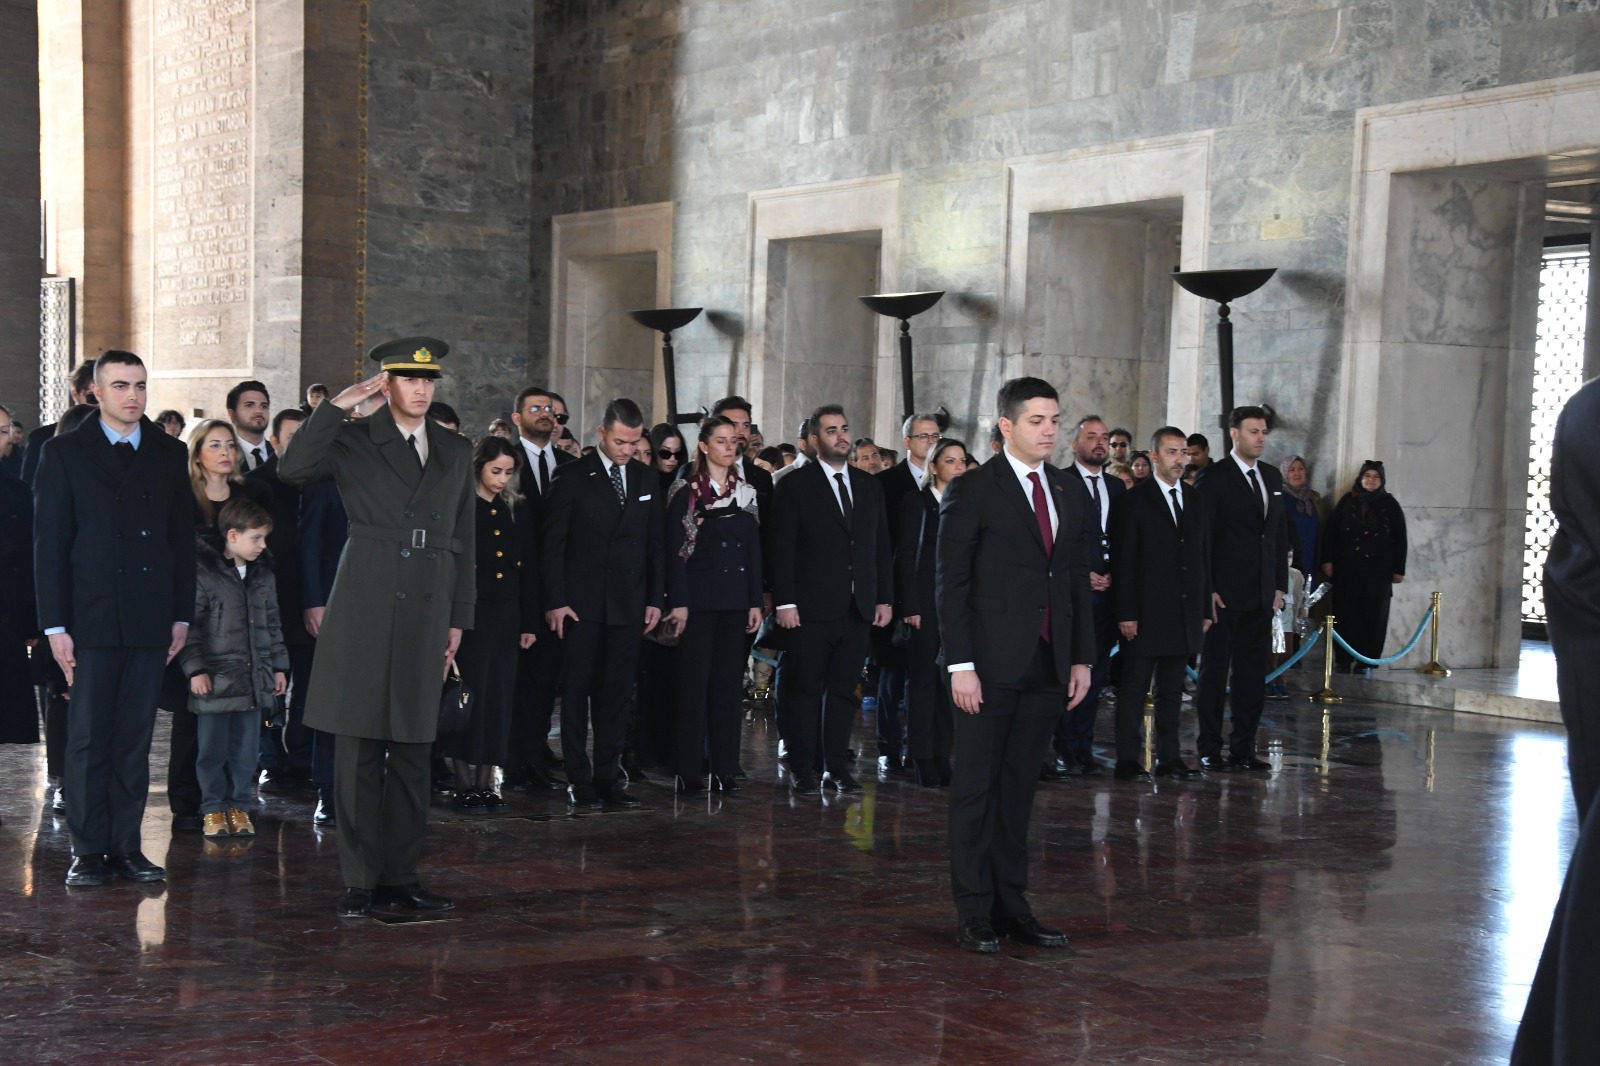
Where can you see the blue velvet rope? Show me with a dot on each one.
(1401, 654)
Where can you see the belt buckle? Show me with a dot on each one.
(419, 538)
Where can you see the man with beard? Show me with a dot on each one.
(250, 409)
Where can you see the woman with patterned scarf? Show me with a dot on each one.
(1364, 555)
(713, 551)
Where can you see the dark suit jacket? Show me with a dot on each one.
(114, 556)
(1249, 552)
(597, 556)
(821, 565)
(897, 483)
(1160, 574)
(994, 579)
(323, 527)
(916, 556)
(33, 448)
(283, 500)
(1112, 488)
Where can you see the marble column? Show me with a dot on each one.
(19, 207)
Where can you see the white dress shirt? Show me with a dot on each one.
(1166, 495)
(533, 451)
(1098, 489)
(1263, 493)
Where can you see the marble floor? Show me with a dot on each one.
(1380, 898)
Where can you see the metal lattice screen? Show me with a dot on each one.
(57, 345)
(1557, 374)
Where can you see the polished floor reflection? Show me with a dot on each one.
(1379, 898)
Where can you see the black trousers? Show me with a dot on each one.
(538, 681)
(710, 691)
(600, 663)
(890, 717)
(1363, 621)
(1238, 642)
(110, 721)
(1577, 648)
(381, 800)
(1136, 674)
(929, 721)
(997, 756)
(824, 658)
(1074, 738)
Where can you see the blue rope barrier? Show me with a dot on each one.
(1416, 638)
(1296, 657)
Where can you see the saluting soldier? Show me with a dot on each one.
(404, 592)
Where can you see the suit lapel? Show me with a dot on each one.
(433, 473)
(1012, 490)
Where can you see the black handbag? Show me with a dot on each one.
(455, 702)
(276, 716)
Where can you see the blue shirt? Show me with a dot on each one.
(116, 438)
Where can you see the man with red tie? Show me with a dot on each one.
(1017, 623)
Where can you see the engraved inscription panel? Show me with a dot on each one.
(201, 73)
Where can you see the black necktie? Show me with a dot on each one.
(1177, 509)
(124, 450)
(411, 442)
(544, 474)
(844, 499)
(616, 483)
(257, 457)
(1255, 487)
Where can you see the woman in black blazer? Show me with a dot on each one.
(713, 549)
(929, 718)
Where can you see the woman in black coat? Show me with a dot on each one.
(1364, 555)
(713, 547)
(929, 717)
(506, 620)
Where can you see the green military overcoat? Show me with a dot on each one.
(406, 576)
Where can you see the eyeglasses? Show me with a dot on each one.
(924, 436)
(549, 409)
(668, 453)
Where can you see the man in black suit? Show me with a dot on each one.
(1243, 501)
(538, 415)
(918, 434)
(81, 388)
(249, 409)
(286, 753)
(1016, 620)
(1162, 594)
(833, 579)
(603, 574)
(114, 564)
(1074, 739)
(736, 409)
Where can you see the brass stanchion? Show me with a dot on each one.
(1326, 696)
(1434, 667)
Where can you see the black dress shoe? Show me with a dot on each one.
(493, 802)
(891, 764)
(978, 935)
(843, 782)
(87, 871)
(1090, 768)
(355, 902)
(58, 800)
(470, 802)
(413, 896)
(617, 799)
(728, 785)
(1214, 763)
(1053, 771)
(1177, 768)
(583, 797)
(688, 786)
(1025, 929)
(1252, 763)
(187, 822)
(324, 815)
(135, 867)
(802, 783)
(1130, 771)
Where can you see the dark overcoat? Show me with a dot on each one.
(406, 576)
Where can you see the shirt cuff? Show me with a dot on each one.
(963, 667)
(53, 630)
(785, 607)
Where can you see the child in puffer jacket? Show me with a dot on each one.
(236, 663)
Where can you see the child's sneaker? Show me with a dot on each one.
(215, 824)
(239, 822)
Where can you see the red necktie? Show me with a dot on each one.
(1041, 513)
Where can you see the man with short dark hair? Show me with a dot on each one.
(80, 387)
(445, 415)
(736, 409)
(832, 579)
(1012, 588)
(1119, 443)
(603, 578)
(864, 456)
(1243, 500)
(1198, 450)
(114, 563)
(249, 409)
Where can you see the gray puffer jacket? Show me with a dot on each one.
(236, 636)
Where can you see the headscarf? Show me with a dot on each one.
(1301, 495)
(1368, 516)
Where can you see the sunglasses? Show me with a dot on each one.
(668, 453)
(550, 409)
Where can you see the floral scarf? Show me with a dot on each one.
(704, 496)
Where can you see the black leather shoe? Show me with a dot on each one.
(324, 816)
(58, 800)
(1025, 929)
(726, 785)
(493, 802)
(1053, 771)
(1214, 763)
(355, 902)
(413, 896)
(843, 782)
(87, 871)
(688, 786)
(187, 822)
(583, 797)
(978, 935)
(1130, 771)
(891, 764)
(616, 799)
(135, 867)
(1177, 768)
(1090, 768)
(470, 802)
(802, 783)
(1251, 763)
